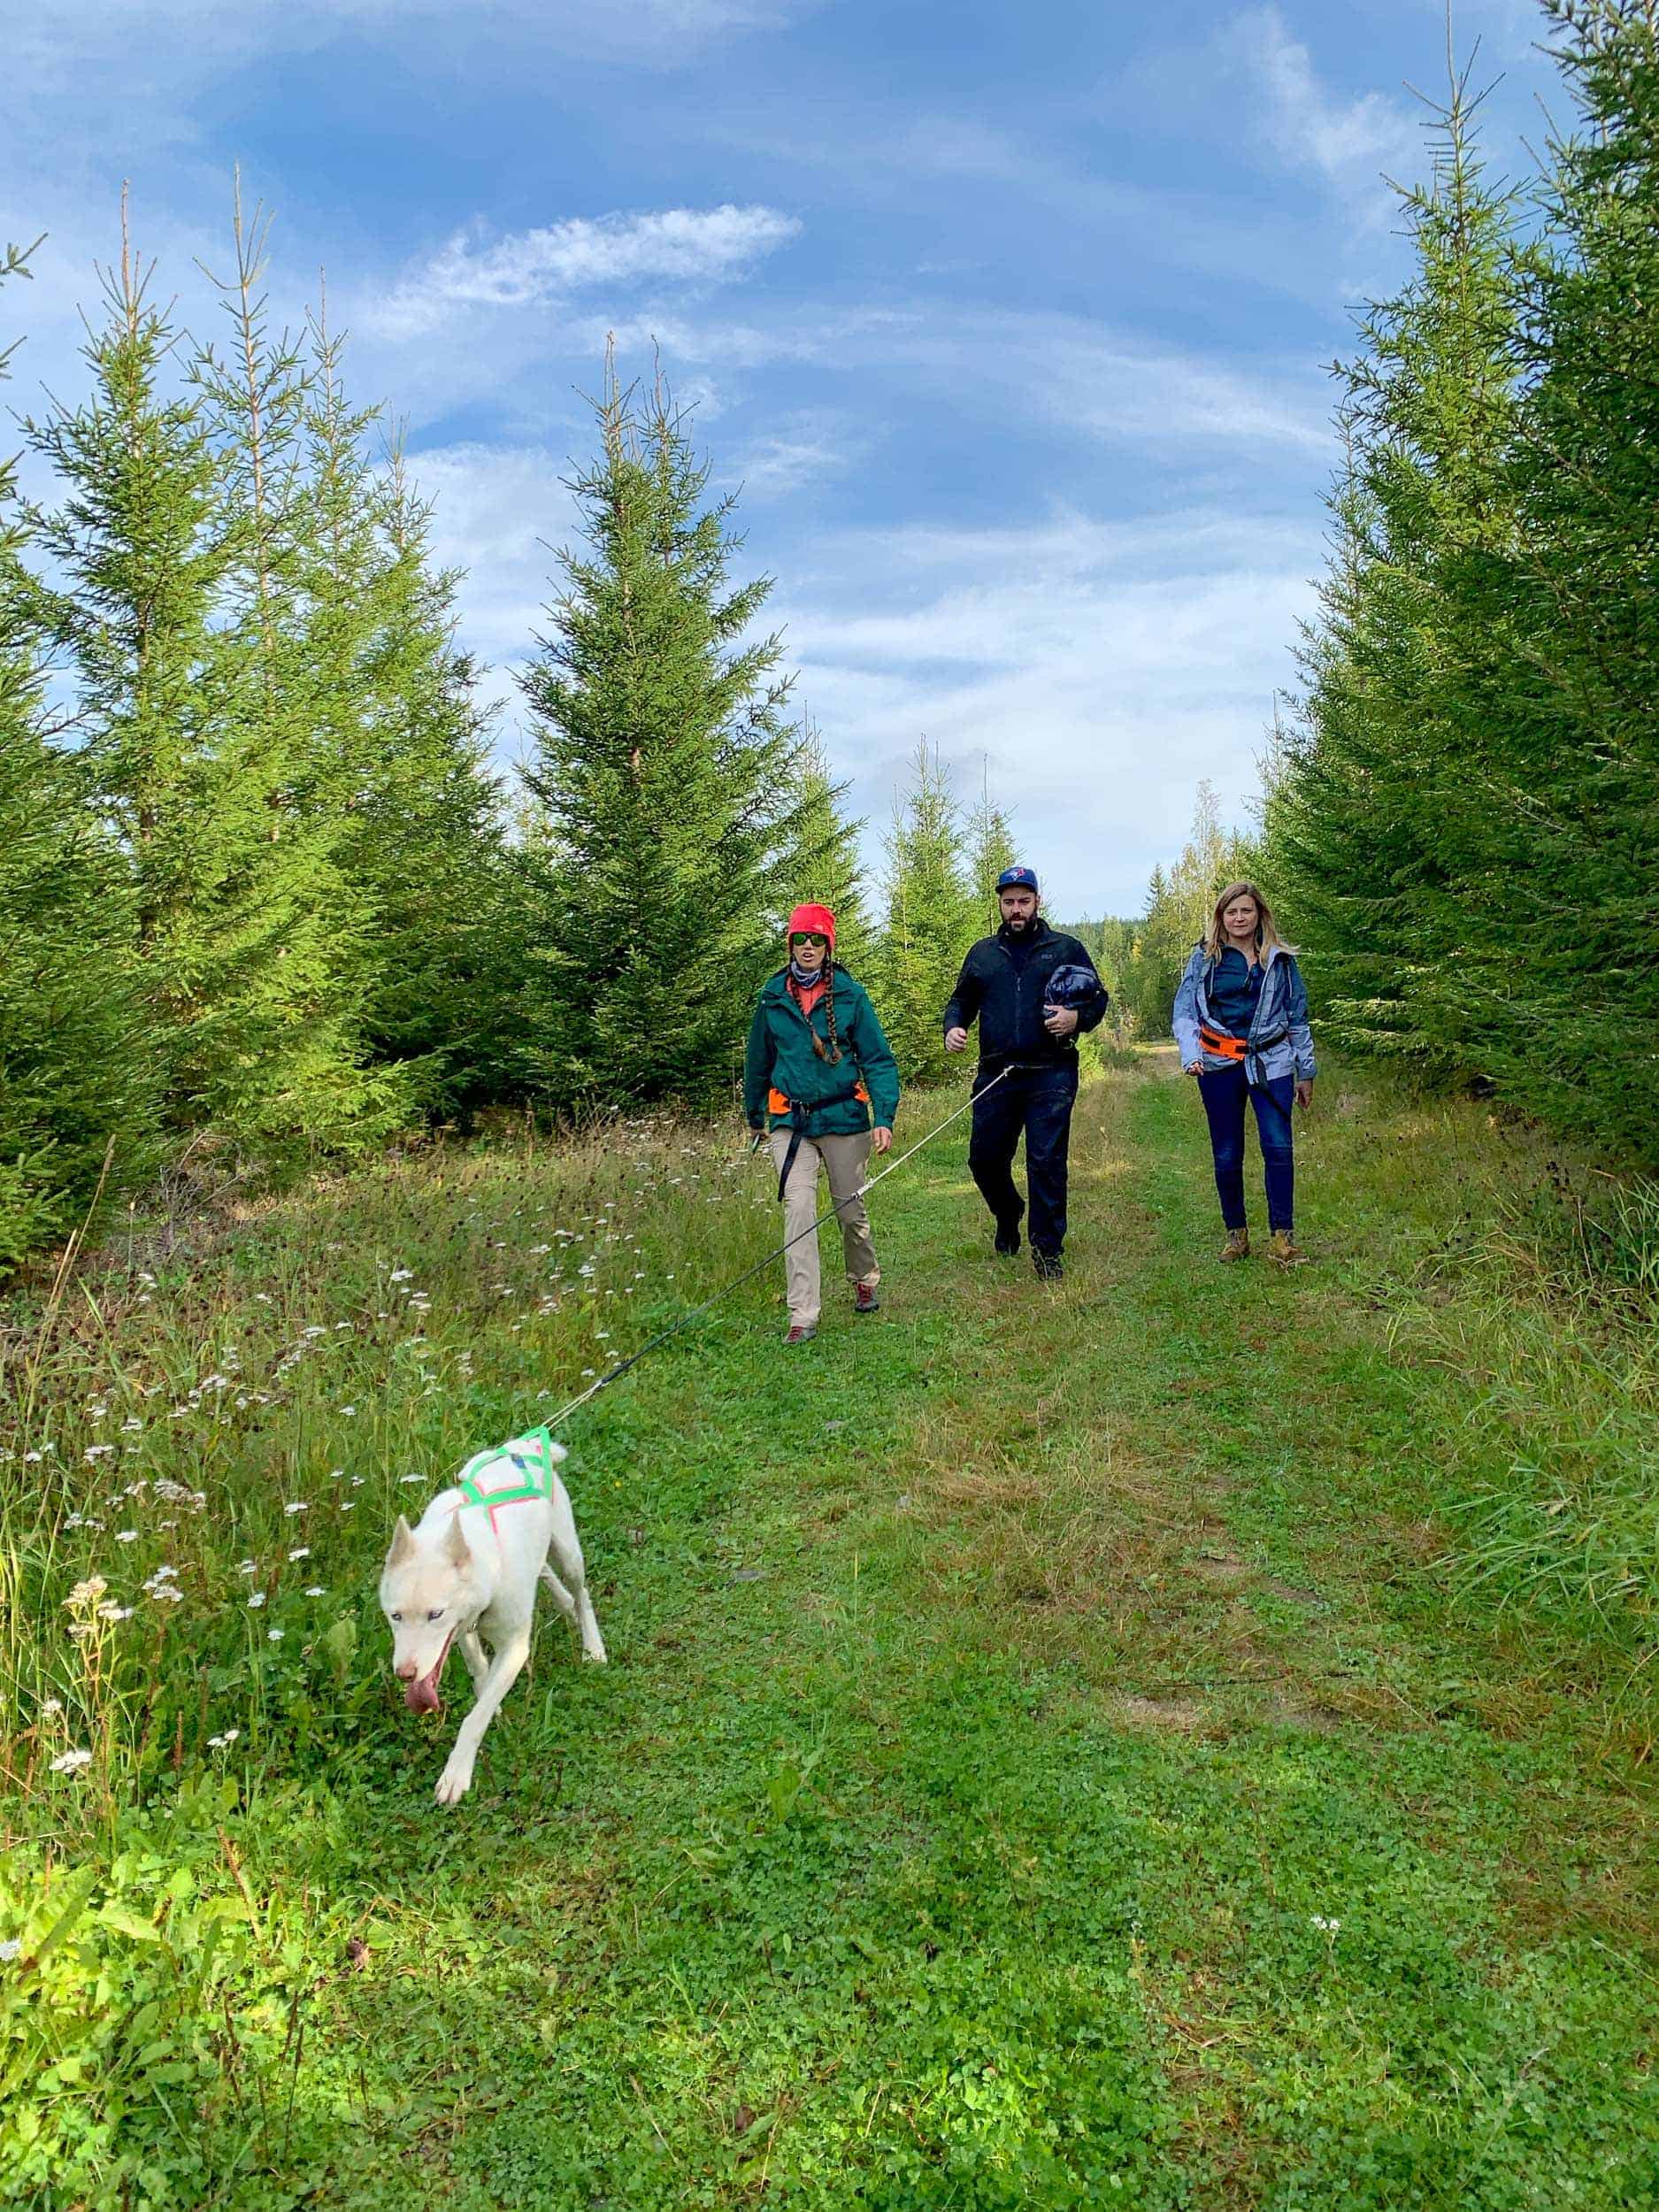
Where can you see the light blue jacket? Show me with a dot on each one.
(1280, 1041)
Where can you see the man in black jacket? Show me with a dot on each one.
(1009, 984)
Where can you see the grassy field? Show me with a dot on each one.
(1176, 1740)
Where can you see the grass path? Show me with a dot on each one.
(1036, 1768)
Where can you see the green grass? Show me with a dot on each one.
(1061, 1747)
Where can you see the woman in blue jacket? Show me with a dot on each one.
(1241, 1023)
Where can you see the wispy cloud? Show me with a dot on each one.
(1350, 143)
(679, 245)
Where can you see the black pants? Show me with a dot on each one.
(1038, 1100)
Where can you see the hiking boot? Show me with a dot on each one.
(864, 1299)
(1284, 1251)
(1008, 1236)
(801, 1333)
(1237, 1246)
(1049, 1266)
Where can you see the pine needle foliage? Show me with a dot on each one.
(78, 1078)
(932, 916)
(826, 867)
(664, 771)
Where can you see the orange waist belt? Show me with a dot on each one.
(1219, 1044)
(777, 1103)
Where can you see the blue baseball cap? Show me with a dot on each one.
(1017, 880)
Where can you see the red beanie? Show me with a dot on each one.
(816, 921)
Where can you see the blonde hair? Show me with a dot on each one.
(1267, 937)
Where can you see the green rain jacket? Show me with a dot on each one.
(781, 1070)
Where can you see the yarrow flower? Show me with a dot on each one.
(9, 1949)
(1325, 1927)
(71, 1762)
(224, 1743)
(273, 1635)
(256, 1601)
(88, 1593)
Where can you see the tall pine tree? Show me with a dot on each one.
(79, 1075)
(826, 865)
(664, 771)
(932, 916)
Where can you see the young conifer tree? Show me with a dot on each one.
(286, 1060)
(826, 865)
(79, 1075)
(990, 850)
(430, 840)
(665, 769)
(1394, 792)
(1572, 1032)
(138, 548)
(932, 915)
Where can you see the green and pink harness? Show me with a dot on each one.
(509, 1474)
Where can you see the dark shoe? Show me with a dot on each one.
(801, 1333)
(1008, 1238)
(1049, 1266)
(864, 1299)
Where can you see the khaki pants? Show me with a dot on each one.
(844, 1158)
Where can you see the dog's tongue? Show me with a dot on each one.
(422, 1696)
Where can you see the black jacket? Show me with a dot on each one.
(1006, 996)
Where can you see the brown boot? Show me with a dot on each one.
(1237, 1246)
(1284, 1251)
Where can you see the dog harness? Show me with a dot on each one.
(509, 1474)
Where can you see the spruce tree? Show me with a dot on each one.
(932, 917)
(990, 850)
(665, 769)
(427, 831)
(138, 548)
(826, 865)
(78, 1071)
(284, 1057)
(1396, 788)
(1570, 1030)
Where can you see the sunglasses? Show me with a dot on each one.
(809, 937)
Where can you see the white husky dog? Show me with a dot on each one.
(470, 1566)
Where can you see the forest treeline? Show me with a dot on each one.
(264, 896)
(1461, 811)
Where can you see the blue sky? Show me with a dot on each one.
(1011, 321)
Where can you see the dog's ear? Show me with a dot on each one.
(456, 1550)
(403, 1543)
(556, 1452)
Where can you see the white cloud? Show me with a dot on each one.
(1098, 671)
(1350, 143)
(679, 245)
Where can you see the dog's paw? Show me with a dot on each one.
(454, 1782)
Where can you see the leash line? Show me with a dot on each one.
(615, 1373)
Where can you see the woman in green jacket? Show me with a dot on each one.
(821, 1078)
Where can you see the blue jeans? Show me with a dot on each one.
(1038, 1100)
(1224, 1091)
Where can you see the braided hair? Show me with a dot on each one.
(832, 1053)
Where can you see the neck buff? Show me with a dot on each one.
(808, 976)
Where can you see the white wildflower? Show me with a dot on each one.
(51, 1707)
(1325, 1927)
(9, 1949)
(273, 1635)
(315, 1591)
(88, 1593)
(126, 1535)
(255, 1600)
(296, 1505)
(299, 1551)
(71, 1762)
(224, 1743)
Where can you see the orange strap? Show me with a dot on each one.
(1220, 1045)
(777, 1103)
